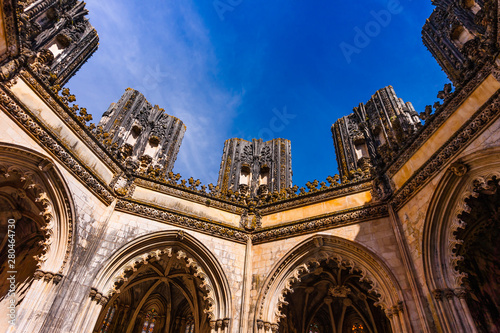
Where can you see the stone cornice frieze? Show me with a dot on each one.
(27, 120)
(69, 118)
(187, 194)
(469, 131)
(315, 224)
(314, 197)
(182, 220)
(46, 139)
(439, 117)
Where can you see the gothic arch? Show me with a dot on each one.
(37, 176)
(464, 180)
(347, 255)
(36, 199)
(118, 274)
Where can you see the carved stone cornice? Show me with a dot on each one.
(316, 224)
(50, 141)
(189, 222)
(46, 139)
(189, 195)
(489, 112)
(315, 197)
(439, 117)
(69, 118)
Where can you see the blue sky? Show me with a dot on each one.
(241, 68)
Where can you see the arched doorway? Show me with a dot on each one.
(329, 284)
(36, 225)
(163, 282)
(461, 248)
(21, 230)
(159, 293)
(478, 247)
(332, 298)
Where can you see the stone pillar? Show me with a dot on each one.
(38, 301)
(213, 326)
(445, 324)
(398, 311)
(394, 320)
(450, 295)
(260, 326)
(176, 327)
(220, 323)
(461, 293)
(226, 325)
(123, 321)
(98, 302)
(183, 323)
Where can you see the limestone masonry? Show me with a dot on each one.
(108, 239)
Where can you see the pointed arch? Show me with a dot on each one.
(464, 180)
(37, 175)
(148, 249)
(347, 255)
(36, 201)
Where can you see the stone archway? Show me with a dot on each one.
(350, 277)
(36, 221)
(167, 275)
(462, 218)
(332, 297)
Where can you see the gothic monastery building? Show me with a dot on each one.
(99, 235)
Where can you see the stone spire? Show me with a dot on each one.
(374, 132)
(144, 134)
(255, 167)
(57, 37)
(461, 35)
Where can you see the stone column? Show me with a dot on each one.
(123, 321)
(98, 302)
(398, 311)
(450, 295)
(213, 326)
(176, 327)
(393, 319)
(260, 326)
(461, 294)
(442, 313)
(183, 323)
(219, 325)
(226, 325)
(37, 301)
(267, 327)
(25, 312)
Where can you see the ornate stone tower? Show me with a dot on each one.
(461, 36)
(255, 167)
(144, 135)
(374, 132)
(56, 39)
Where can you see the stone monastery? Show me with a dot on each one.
(99, 235)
